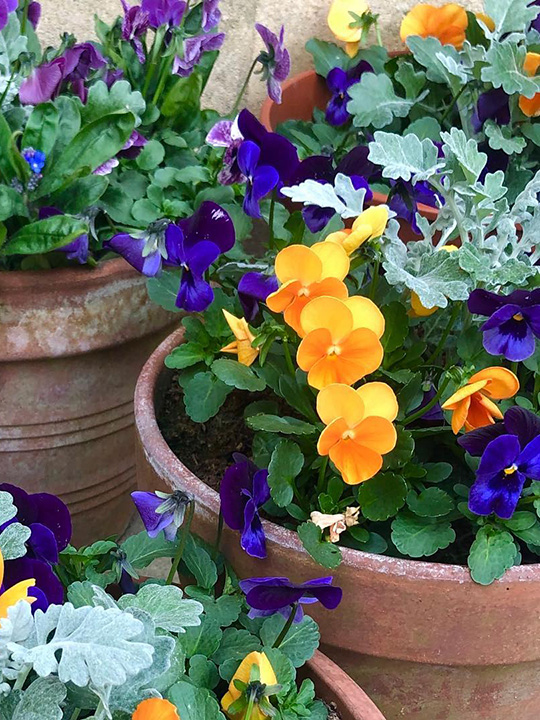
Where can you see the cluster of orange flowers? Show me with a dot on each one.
(447, 23)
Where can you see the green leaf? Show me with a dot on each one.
(382, 496)
(325, 553)
(426, 127)
(505, 69)
(11, 203)
(413, 81)
(287, 461)
(202, 640)
(203, 672)
(81, 194)
(13, 539)
(141, 549)
(69, 123)
(200, 564)
(431, 502)
(166, 606)
(419, 537)
(438, 472)
(80, 594)
(465, 152)
(118, 99)
(194, 703)
(45, 235)
(41, 128)
(163, 290)
(492, 553)
(42, 700)
(521, 520)
(12, 43)
(327, 56)
(237, 375)
(405, 157)
(502, 138)
(510, 15)
(300, 642)
(403, 451)
(223, 610)
(204, 395)
(277, 424)
(182, 101)
(530, 535)
(235, 645)
(396, 326)
(374, 101)
(185, 355)
(151, 156)
(442, 62)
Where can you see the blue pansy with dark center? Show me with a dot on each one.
(524, 424)
(268, 595)
(243, 491)
(260, 179)
(161, 511)
(492, 105)
(339, 81)
(276, 150)
(513, 324)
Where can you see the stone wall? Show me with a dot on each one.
(302, 20)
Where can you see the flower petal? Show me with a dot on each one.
(329, 313)
(501, 382)
(298, 262)
(379, 400)
(334, 259)
(355, 463)
(340, 401)
(377, 434)
(331, 435)
(366, 314)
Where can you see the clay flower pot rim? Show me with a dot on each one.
(56, 278)
(167, 465)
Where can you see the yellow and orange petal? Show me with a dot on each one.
(340, 20)
(379, 400)
(531, 106)
(155, 709)
(366, 314)
(266, 676)
(417, 309)
(368, 225)
(15, 593)
(242, 346)
(488, 22)
(447, 23)
(501, 382)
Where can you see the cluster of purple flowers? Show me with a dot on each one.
(339, 81)
(9, 6)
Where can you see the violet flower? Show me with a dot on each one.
(253, 288)
(34, 14)
(339, 81)
(535, 25)
(77, 249)
(269, 595)
(276, 150)
(226, 134)
(404, 198)
(81, 59)
(276, 61)
(48, 589)
(514, 322)
(133, 146)
(162, 511)
(112, 75)
(135, 23)
(44, 82)
(6, 7)
(194, 47)
(492, 105)
(211, 14)
(524, 424)
(261, 179)
(244, 490)
(164, 12)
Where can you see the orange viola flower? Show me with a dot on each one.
(155, 709)
(447, 23)
(242, 346)
(368, 225)
(359, 428)
(530, 106)
(305, 273)
(342, 340)
(472, 405)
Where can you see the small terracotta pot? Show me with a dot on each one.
(302, 94)
(72, 342)
(423, 640)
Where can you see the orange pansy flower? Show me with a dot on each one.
(341, 340)
(530, 106)
(447, 23)
(472, 405)
(155, 709)
(242, 346)
(305, 273)
(267, 677)
(368, 225)
(359, 428)
(340, 20)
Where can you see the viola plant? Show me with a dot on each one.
(112, 645)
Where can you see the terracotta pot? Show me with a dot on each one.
(302, 94)
(333, 685)
(72, 342)
(422, 639)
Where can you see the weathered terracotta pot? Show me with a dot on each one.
(72, 342)
(302, 94)
(422, 639)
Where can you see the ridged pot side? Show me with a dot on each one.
(422, 639)
(72, 343)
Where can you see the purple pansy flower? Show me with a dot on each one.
(164, 12)
(404, 198)
(253, 288)
(524, 424)
(113, 75)
(6, 7)
(133, 146)
(261, 179)
(44, 82)
(514, 322)
(161, 511)
(502, 472)
(269, 595)
(339, 81)
(244, 490)
(81, 59)
(194, 47)
(535, 25)
(276, 150)
(492, 105)
(434, 414)
(48, 589)
(276, 61)
(135, 23)
(34, 14)
(211, 14)
(226, 134)
(77, 249)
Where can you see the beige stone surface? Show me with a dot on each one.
(302, 20)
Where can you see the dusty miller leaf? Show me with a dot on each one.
(505, 69)
(405, 157)
(42, 700)
(374, 101)
(166, 606)
(12, 541)
(342, 197)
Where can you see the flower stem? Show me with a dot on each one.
(375, 279)
(152, 61)
(271, 220)
(75, 714)
(244, 87)
(288, 358)
(8, 85)
(165, 75)
(322, 475)
(434, 400)
(182, 544)
(452, 103)
(250, 707)
(218, 535)
(23, 674)
(24, 21)
(283, 634)
(444, 337)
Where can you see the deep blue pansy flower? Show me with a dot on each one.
(535, 25)
(405, 197)
(492, 105)
(339, 81)
(513, 324)
(260, 179)
(269, 595)
(48, 589)
(243, 491)
(524, 424)
(502, 472)
(161, 511)
(276, 150)
(253, 288)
